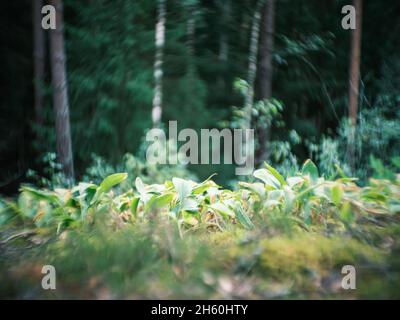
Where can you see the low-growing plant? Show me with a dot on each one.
(274, 237)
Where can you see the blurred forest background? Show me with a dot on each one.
(132, 65)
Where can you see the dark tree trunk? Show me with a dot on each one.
(39, 52)
(354, 79)
(266, 73)
(60, 93)
(266, 49)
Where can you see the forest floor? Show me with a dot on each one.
(155, 263)
(293, 238)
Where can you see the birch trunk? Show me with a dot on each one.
(252, 64)
(158, 69)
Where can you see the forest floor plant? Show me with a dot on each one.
(275, 237)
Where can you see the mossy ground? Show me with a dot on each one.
(154, 262)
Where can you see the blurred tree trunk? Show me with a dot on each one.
(39, 52)
(354, 78)
(60, 96)
(266, 73)
(226, 12)
(252, 63)
(158, 70)
(191, 33)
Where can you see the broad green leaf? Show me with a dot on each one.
(83, 187)
(311, 169)
(144, 196)
(293, 181)
(139, 185)
(189, 204)
(257, 188)
(275, 173)
(42, 195)
(267, 178)
(183, 187)
(158, 202)
(222, 209)
(200, 188)
(111, 181)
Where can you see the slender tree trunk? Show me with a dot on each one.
(252, 64)
(248, 141)
(354, 78)
(158, 70)
(266, 48)
(226, 12)
(38, 60)
(190, 34)
(60, 96)
(266, 73)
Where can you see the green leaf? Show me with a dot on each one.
(158, 202)
(242, 217)
(257, 188)
(276, 195)
(107, 184)
(206, 184)
(183, 187)
(346, 214)
(134, 205)
(276, 174)
(42, 195)
(267, 178)
(222, 209)
(293, 181)
(336, 194)
(189, 204)
(311, 169)
(144, 196)
(111, 181)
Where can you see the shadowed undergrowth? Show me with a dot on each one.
(273, 237)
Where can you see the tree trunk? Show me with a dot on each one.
(354, 78)
(60, 96)
(223, 50)
(248, 141)
(158, 70)
(190, 35)
(266, 73)
(266, 48)
(38, 60)
(252, 66)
